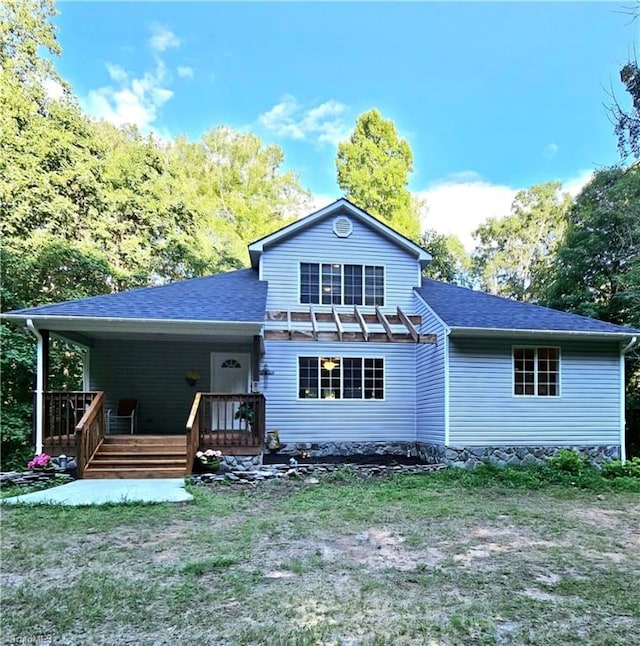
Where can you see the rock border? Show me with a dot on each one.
(310, 473)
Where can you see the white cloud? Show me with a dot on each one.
(184, 71)
(463, 201)
(323, 123)
(459, 204)
(162, 38)
(550, 150)
(575, 184)
(134, 100)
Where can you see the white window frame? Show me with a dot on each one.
(342, 265)
(535, 348)
(342, 398)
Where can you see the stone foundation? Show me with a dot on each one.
(242, 462)
(327, 449)
(469, 457)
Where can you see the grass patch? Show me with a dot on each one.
(456, 557)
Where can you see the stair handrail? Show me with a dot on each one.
(193, 432)
(90, 433)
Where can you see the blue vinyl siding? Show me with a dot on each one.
(153, 372)
(483, 410)
(348, 420)
(430, 379)
(318, 243)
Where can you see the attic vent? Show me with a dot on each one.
(342, 227)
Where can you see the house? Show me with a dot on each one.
(335, 340)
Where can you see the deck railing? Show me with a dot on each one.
(90, 433)
(226, 420)
(62, 412)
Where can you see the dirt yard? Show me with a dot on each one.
(411, 560)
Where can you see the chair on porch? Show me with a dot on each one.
(126, 414)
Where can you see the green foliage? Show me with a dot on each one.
(515, 253)
(564, 472)
(598, 262)
(451, 263)
(616, 469)
(569, 461)
(373, 170)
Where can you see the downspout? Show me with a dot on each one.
(39, 386)
(623, 421)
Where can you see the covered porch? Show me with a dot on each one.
(194, 389)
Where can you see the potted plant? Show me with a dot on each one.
(209, 460)
(41, 462)
(245, 411)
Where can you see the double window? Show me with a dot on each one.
(336, 284)
(536, 371)
(340, 378)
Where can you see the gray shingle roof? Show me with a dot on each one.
(233, 296)
(467, 308)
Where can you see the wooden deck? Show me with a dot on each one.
(75, 426)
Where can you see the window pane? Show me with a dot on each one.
(353, 285)
(308, 377)
(374, 285)
(524, 371)
(331, 284)
(374, 379)
(330, 377)
(548, 372)
(310, 283)
(352, 378)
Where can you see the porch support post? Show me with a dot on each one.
(86, 369)
(42, 355)
(256, 353)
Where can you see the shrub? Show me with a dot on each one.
(569, 461)
(615, 469)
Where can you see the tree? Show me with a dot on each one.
(514, 253)
(627, 123)
(597, 269)
(451, 263)
(373, 169)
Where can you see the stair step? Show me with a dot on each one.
(146, 472)
(134, 462)
(113, 449)
(146, 440)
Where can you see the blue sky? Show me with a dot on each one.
(493, 97)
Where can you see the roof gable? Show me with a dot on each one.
(344, 207)
(236, 296)
(463, 308)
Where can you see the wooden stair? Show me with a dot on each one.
(139, 456)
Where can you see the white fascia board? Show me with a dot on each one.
(257, 247)
(151, 326)
(558, 334)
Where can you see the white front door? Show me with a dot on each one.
(229, 374)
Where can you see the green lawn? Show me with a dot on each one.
(433, 559)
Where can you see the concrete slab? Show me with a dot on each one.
(108, 490)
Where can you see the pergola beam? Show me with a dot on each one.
(409, 325)
(385, 324)
(361, 322)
